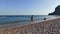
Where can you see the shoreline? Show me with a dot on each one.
(34, 28)
(7, 26)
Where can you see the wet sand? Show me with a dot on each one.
(42, 27)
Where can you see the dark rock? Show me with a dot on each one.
(56, 12)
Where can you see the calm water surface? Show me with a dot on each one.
(21, 18)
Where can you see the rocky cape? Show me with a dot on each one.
(56, 12)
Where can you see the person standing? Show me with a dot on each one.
(32, 18)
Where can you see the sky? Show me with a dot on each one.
(27, 7)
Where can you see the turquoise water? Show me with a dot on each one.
(21, 18)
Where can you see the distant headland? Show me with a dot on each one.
(56, 12)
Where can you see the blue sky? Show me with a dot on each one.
(27, 7)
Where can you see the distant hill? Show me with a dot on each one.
(56, 12)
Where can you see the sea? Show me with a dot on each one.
(6, 19)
